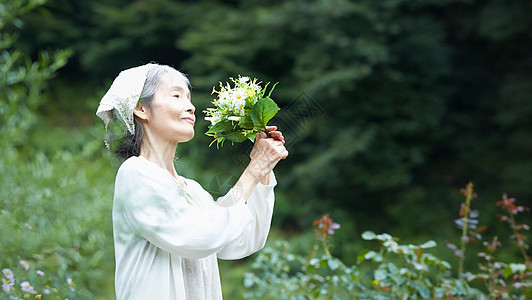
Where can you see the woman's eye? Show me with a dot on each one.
(177, 96)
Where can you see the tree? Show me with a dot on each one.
(21, 80)
(374, 70)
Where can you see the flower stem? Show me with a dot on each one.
(516, 234)
(325, 247)
(463, 240)
(266, 131)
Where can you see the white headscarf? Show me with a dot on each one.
(123, 96)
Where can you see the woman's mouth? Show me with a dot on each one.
(189, 120)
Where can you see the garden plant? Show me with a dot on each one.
(397, 271)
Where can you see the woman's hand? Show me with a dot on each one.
(274, 136)
(266, 153)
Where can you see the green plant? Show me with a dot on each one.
(506, 279)
(407, 271)
(510, 210)
(397, 271)
(325, 231)
(394, 271)
(25, 281)
(279, 274)
(21, 79)
(54, 220)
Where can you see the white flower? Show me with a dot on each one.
(216, 118)
(26, 287)
(7, 284)
(46, 291)
(240, 94)
(71, 284)
(238, 104)
(8, 273)
(24, 264)
(233, 118)
(39, 272)
(333, 227)
(223, 98)
(244, 79)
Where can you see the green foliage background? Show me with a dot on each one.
(389, 108)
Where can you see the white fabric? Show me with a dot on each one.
(123, 96)
(167, 238)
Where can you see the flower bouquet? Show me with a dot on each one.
(241, 111)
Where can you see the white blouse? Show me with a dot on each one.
(167, 238)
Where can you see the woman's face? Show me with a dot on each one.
(171, 116)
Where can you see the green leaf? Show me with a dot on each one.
(368, 235)
(507, 272)
(323, 263)
(362, 255)
(445, 265)
(263, 111)
(423, 291)
(246, 122)
(234, 136)
(333, 264)
(384, 237)
(392, 268)
(251, 136)
(222, 126)
(514, 269)
(429, 244)
(372, 255)
(314, 262)
(380, 274)
(271, 90)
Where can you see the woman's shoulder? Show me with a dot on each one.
(191, 182)
(136, 166)
(131, 164)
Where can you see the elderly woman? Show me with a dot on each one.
(168, 231)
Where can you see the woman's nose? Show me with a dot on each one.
(191, 108)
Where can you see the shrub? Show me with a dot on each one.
(396, 271)
(55, 242)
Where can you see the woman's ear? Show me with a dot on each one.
(141, 111)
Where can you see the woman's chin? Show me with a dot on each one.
(186, 138)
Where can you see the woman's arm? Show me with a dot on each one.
(260, 204)
(265, 155)
(148, 204)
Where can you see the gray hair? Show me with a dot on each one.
(130, 145)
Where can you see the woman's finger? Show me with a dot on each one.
(260, 135)
(277, 135)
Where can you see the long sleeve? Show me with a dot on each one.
(154, 207)
(167, 238)
(260, 204)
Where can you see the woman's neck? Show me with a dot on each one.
(161, 154)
